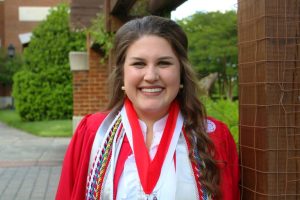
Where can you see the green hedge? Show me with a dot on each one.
(43, 88)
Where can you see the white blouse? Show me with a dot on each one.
(130, 187)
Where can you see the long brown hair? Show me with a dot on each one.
(191, 107)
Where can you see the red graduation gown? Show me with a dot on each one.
(227, 157)
(72, 184)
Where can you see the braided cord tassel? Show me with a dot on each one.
(196, 167)
(106, 158)
(93, 193)
(200, 165)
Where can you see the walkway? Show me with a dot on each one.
(29, 166)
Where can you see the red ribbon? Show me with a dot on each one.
(149, 171)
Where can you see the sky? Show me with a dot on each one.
(191, 6)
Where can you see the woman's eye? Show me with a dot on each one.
(164, 63)
(138, 64)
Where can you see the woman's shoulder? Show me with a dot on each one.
(94, 120)
(215, 126)
(90, 122)
(218, 131)
(221, 137)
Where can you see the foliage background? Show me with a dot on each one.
(43, 87)
(213, 48)
(102, 40)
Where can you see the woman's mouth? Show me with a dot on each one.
(151, 90)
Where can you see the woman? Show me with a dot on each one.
(156, 141)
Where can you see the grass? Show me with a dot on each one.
(52, 128)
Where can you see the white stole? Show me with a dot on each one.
(185, 187)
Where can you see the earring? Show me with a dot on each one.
(181, 86)
(123, 88)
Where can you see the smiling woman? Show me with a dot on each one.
(154, 141)
(151, 78)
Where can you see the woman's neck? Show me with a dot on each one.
(149, 136)
(150, 118)
(149, 130)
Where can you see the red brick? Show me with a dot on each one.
(90, 87)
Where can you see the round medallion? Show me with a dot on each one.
(211, 126)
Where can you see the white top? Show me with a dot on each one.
(130, 187)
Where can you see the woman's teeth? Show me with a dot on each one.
(152, 89)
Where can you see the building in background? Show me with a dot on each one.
(17, 21)
(19, 18)
(1, 22)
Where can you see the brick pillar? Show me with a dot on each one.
(269, 96)
(2, 23)
(89, 86)
(6, 100)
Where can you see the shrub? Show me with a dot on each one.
(43, 88)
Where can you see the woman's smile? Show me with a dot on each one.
(152, 90)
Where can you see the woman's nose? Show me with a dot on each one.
(151, 74)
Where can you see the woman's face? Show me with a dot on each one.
(151, 76)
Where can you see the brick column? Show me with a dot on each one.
(89, 86)
(269, 95)
(1, 23)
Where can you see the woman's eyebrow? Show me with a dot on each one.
(160, 58)
(166, 58)
(136, 58)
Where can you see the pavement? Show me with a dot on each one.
(30, 166)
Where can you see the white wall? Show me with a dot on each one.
(27, 13)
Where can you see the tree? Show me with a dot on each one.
(43, 88)
(213, 46)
